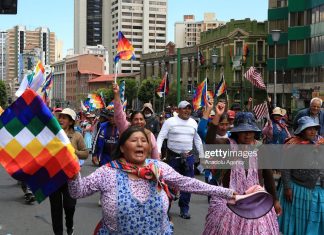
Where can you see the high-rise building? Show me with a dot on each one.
(58, 50)
(142, 22)
(3, 56)
(299, 52)
(24, 48)
(187, 33)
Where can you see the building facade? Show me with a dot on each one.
(3, 55)
(237, 45)
(79, 70)
(58, 91)
(23, 49)
(300, 51)
(155, 64)
(142, 22)
(100, 51)
(187, 33)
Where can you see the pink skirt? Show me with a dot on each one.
(220, 220)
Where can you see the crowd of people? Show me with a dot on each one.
(146, 161)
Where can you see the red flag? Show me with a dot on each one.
(201, 58)
(163, 88)
(261, 111)
(255, 78)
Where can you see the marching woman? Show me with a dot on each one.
(137, 118)
(276, 131)
(61, 199)
(302, 192)
(220, 219)
(134, 191)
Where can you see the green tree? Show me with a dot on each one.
(148, 89)
(3, 95)
(171, 98)
(107, 93)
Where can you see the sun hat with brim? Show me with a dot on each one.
(148, 106)
(277, 111)
(244, 121)
(253, 205)
(304, 123)
(69, 112)
(183, 104)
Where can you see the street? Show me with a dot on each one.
(18, 218)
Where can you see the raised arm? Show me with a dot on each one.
(155, 152)
(119, 114)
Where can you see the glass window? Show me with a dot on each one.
(321, 14)
(238, 48)
(260, 47)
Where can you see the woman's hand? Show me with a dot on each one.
(288, 194)
(220, 108)
(278, 208)
(232, 200)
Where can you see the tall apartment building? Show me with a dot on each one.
(58, 91)
(142, 22)
(3, 56)
(300, 51)
(22, 47)
(187, 33)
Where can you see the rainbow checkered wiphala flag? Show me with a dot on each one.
(33, 146)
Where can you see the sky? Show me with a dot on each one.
(57, 15)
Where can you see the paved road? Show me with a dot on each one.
(17, 218)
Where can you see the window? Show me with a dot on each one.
(279, 24)
(238, 48)
(260, 49)
(321, 13)
(297, 18)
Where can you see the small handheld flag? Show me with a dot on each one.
(221, 87)
(253, 76)
(163, 88)
(261, 111)
(200, 95)
(125, 50)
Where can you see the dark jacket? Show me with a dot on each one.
(105, 142)
(306, 112)
(152, 124)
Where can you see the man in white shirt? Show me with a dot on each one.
(181, 132)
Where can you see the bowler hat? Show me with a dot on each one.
(253, 205)
(244, 121)
(304, 123)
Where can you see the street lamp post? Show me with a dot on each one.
(214, 59)
(275, 38)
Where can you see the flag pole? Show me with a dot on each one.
(165, 81)
(116, 71)
(206, 90)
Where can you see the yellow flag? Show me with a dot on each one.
(1, 110)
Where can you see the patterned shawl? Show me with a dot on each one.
(150, 171)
